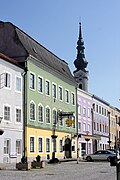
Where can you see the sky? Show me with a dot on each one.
(55, 25)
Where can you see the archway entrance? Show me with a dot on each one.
(68, 148)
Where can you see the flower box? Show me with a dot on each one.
(36, 164)
(25, 166)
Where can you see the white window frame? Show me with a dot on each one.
(18, 108)
(8, 81)
(39, 77)
(67, 94)
(84, 111)
(32, 152)
(19, 83)
(9, 106)
(49, 115)
(42, 145)
(18, 148)
(42, 113)
(33, 83)
(60, 93)
(54, 90)
(54, 116)
(79, 109)
(47, 87)
(7, 146)
(73, 98)
(89, 112)
(48, 151)
(32, 102)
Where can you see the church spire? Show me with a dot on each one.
(80, 62)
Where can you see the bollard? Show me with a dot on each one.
(118, 171)
(113, 161)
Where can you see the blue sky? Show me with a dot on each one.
(55, 23)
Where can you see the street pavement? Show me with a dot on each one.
(63, 171)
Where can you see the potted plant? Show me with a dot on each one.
(36, 163)
(23, 164)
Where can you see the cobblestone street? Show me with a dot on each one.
(63, 171)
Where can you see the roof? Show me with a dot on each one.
(20, 46)
(43, 55)
(11, 60)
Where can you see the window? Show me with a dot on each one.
(7, 113)
(47, 89)
(47, 115)
(32, 111)
(18, 84)
(32, 144)
(6, 146)
(100, 127)
(18, 115)
(18, 146)
(89, 127)
(7, 80)
(54, 116)
(99, 109)
(84, 127)
(73, 98)
(40, 113)
(60, 93)
(79, 126)
(96, 108)
(40, 145)
(40, 84)
(61, 147)
(105, 112)
(103, 128)
(66, 96)
(97, 126)
(88, 112)
(54, 90)
(79, 109)
(84, 111)
(47, 145)
(32, 81)
(102, 111)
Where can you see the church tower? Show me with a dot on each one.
(81, 74)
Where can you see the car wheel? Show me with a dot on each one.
(88, 158)
(108, 159)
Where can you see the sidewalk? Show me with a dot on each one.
(13, 165)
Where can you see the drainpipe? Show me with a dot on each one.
(109, 129)
(77, 126)
(24, 106)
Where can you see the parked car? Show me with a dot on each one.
(101, 155)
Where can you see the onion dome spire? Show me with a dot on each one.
(80, 62)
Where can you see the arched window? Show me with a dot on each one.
(47, 115)
(54, 116)
(40, 113)
(32, 111)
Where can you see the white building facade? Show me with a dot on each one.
(11, 110)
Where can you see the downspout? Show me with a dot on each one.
(77, 125)
(24, 108)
